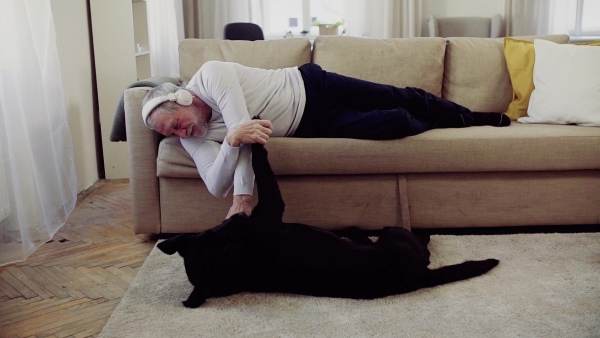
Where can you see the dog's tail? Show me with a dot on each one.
(457, 272)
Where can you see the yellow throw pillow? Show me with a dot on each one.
(588, 43)
(520, 58)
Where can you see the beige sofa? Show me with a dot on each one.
(521, 175)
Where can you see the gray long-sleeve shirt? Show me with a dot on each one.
(237, 93)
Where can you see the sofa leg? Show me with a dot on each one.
(403, 215)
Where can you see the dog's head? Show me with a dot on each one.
(212, 258)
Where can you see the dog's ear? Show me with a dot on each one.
(173, 244)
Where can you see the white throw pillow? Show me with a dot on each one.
(567, 85)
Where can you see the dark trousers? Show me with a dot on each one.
(341, 106)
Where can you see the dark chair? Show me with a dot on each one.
(243, 31)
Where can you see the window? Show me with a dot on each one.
(297, 16)
(588, 17)
(578, 18)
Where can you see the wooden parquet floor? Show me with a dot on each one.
(70, 286)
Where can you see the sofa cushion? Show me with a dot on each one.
(477, 149)
(414, 62)
(271, 54)
(476, 75)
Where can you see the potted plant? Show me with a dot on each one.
(328, 28)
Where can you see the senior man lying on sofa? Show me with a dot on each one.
(213, 116)
(520, 175)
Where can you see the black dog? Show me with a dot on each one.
(260, 253)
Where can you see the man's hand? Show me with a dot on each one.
(255, 131)
(240, 203)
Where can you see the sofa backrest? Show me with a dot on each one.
(403, 62)
(475, 73)
(271, 54)
(469, 71)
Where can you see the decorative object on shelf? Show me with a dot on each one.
(331, 28)
(288, 34)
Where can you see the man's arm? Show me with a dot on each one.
(255, 131)
(216, 164)
(219, 82)
(224, 166)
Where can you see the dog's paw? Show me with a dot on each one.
(169, 246)
(193, 303)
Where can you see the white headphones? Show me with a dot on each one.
(182, 97)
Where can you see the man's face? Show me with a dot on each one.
(184, 122)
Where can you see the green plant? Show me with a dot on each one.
(329, 24)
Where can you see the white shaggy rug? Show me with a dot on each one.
(547, 285)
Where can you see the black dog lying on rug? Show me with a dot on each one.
(260, 253)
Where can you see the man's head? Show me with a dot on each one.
(171, 110)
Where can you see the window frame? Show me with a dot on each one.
(304, 25)
(578, 30)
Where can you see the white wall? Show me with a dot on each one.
(456, 8)
(115, 63)
(73, 42)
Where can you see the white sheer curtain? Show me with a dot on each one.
(527, 17)
(383, 19)
(538, 17)
(35, 142)
(205, 19)
(165, 32)
(227, 11)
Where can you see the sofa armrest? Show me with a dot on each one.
(142, 143)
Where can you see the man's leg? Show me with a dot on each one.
(367, 96)
(371, 125)
(423, 105)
